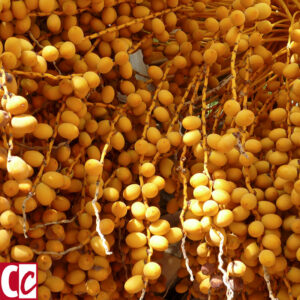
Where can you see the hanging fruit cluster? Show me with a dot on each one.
(131, 126)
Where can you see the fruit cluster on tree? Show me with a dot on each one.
(104, 166)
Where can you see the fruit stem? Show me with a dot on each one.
(203, 119)
(135, 21)
(267, 280)
(288, 286)
(285, 8)
(229, 291)
(99, 182)
(40, 173)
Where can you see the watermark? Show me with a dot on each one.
(18, 281)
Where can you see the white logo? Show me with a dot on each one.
(18, 281)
